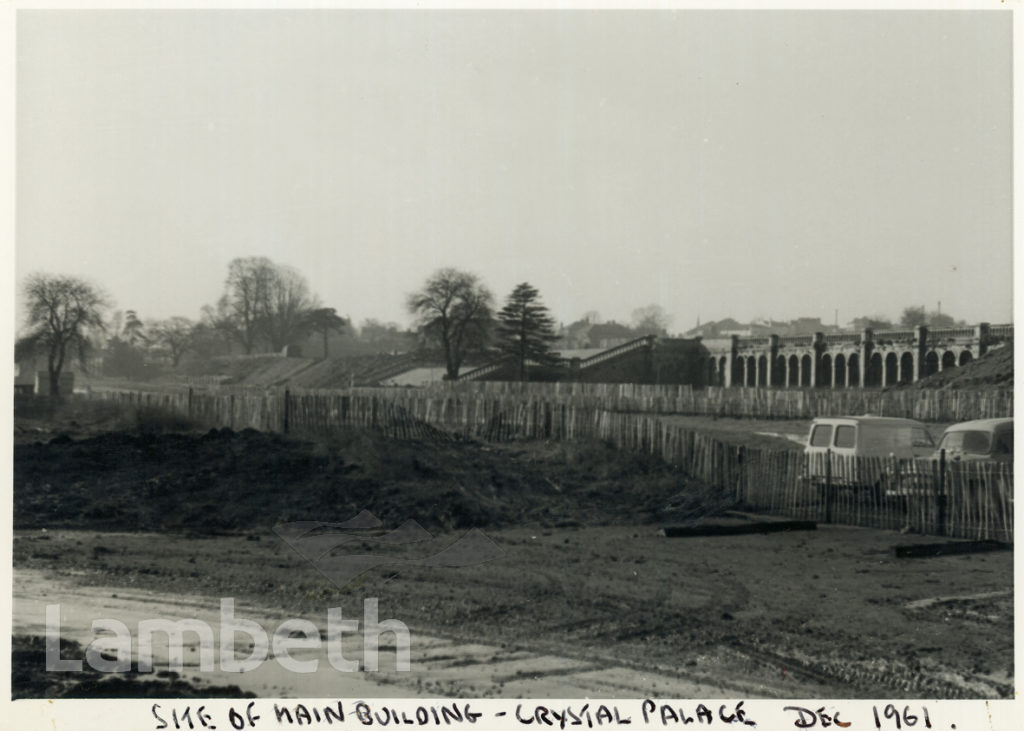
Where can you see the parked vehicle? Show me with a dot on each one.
(982, 439)
(869, 436)
(843, 438)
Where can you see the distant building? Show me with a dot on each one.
(584, 335)
(760, 326)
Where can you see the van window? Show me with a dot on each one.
(846, 436)
(970, 442)
(821, 435)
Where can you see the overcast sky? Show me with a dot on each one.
(720, 164)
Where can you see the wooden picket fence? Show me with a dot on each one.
(740, 402)
(964, 499)
(969, 499)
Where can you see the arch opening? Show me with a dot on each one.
(892, 369)
(906, 368)
(873, 373)
(825, 372)
(853, 370)
(840, 370)
(779, 371)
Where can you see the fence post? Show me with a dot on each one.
(189, 402)
(741, 475)
(286, 401)
(940, 500)
(828, 485)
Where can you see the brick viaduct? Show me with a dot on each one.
(846, 360)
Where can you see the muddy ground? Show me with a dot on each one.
(582, 572)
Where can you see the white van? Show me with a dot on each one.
(845, 437)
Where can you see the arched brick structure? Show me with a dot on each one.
(847, 359)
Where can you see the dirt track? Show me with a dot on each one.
(826, 613)
(584, 582)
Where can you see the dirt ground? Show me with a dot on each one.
(582, 572)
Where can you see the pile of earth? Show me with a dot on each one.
(30, 679)
(994, 369)
(38, 418)
(227, 482)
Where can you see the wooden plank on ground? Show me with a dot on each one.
(947, 548)
(695, 531)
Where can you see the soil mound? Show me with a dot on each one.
(994, 369)
(225, 481)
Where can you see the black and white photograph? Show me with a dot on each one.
(541, 353)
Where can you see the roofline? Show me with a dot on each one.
(979, 422)
(870, 418)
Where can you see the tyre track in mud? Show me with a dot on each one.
(623, 612)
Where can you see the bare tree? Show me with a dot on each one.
(453, 309)
(264, 304)
(525, 329)
(914, 316)
(284, 316)
(63, 312)
(242, 307)
(387, 337)
(174, 335)
(872, 322)
(213, 334)
(651, 320)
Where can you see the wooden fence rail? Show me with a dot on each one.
(760, 403)
(969, 499)
(763, 403)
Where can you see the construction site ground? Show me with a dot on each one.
(130, 517)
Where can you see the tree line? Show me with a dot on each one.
(267, 307)
(910, 317)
